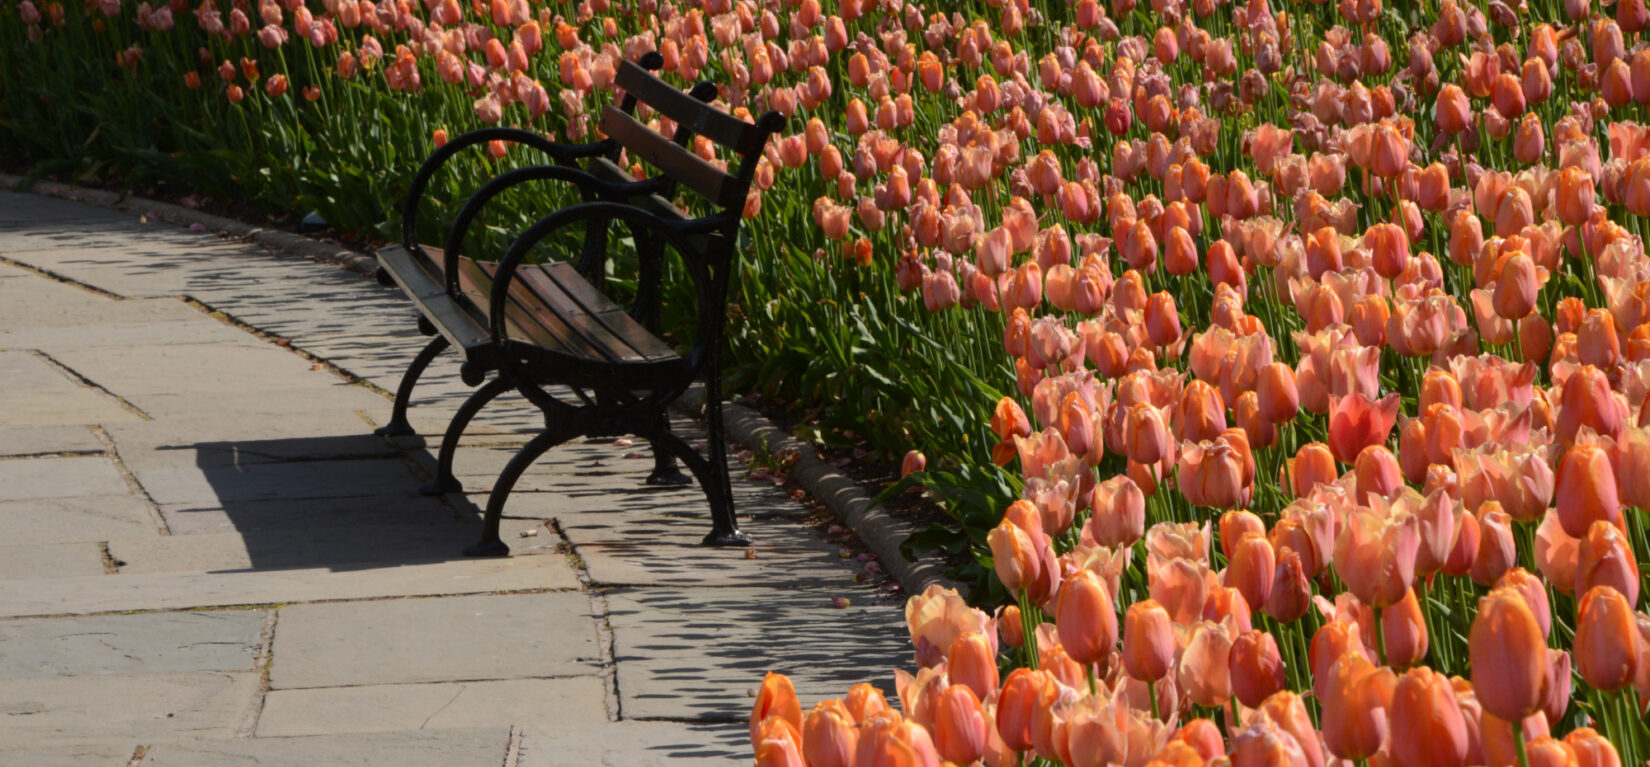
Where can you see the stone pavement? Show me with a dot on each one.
(206, 557)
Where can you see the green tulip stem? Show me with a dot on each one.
(1380, 638)
(1151, 691)
(1518, 742)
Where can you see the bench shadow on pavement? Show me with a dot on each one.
(344, 502)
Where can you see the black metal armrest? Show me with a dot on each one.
(415, 193)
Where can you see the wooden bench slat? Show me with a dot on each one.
(700, 118)
(540, 326)
(587, 298)
(686, 167)
(476, 280)
(462, 327)
(558, 304)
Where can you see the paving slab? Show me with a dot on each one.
(387, 508)
(48, 440)
(50, 560)
(242, 366)
(435, 748)
(142, 643)
(340, 398)
(692, 654)
(25, 479)
(515, 636)
(70, 755)
(198, 329)
(210, 442)
(33, 393)
(89, 518)
(168, 591)
(336, 546)
(146, 708)
(169, 485)
(572, 702)
(636, 744)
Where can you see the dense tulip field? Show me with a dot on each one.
(1284, 369)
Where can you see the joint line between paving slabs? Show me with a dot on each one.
(124, 403)
(512, 747)
(261, 662)
(604, 629)
(63, 278)
(285, 343)
(132, 484)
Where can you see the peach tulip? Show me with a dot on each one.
(1148, 641)
(1355, 423)
(1427, 727)
(1086, 618)
(1508, 656)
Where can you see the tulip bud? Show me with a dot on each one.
(1605, 558)
(776, 698)
(1086, 618)
(1606, 639)
(1586, 488)
(1508, 656)
(1427, 728)
(828, 735)
(960, 733)
(1148, 641)
(1256, 667)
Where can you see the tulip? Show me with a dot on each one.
(1496, 550)
(960, 732)
(779, 752)
(1251, 567)
(1605, 558)
(1356, 423)
(1086, 618)
(1119, 513)
(1147, 434)
(829, 735)
(1606, 639)
(776, 698)
(1375, 556)
(1311, 466)
(1148, 641)
(1586, 489)
(1534, 593)
(1592, 749)
(1016, 704)
(1256, 668)
(1404, 632)
(1452, 110)
(1355, 702)
(1574, 196)
(1017, 560)
(1203, 671)
(1508, 656)
(1427, 728)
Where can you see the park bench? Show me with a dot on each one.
(549, 331)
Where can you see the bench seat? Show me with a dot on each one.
(557, 321)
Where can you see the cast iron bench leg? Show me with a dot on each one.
(665, 469)
(398, 425)
(491, 545)
(444, 481)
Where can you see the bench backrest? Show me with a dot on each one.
(693, 118)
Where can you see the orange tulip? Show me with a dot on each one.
(1356, 423)
(1586, 489)
(1312, 465)
(1605, 558)
(1375, 556)
(1148, 641)
(776, 698)
(1508, 656)
(972, 663)
(1592, 749)
(1574, 196)
(1427, 727)
(1452, 110)
(1404, 630)
(1256, 668)
(829, 735)
(1251, 567)
(1086, 618)
(1204, 671)
(1606, 639)
(864, 701)
(1355, 702)
(1016, 704)
(960, 732)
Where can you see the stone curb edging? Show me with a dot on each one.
(841, 494)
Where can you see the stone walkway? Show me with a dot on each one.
(207, 559)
